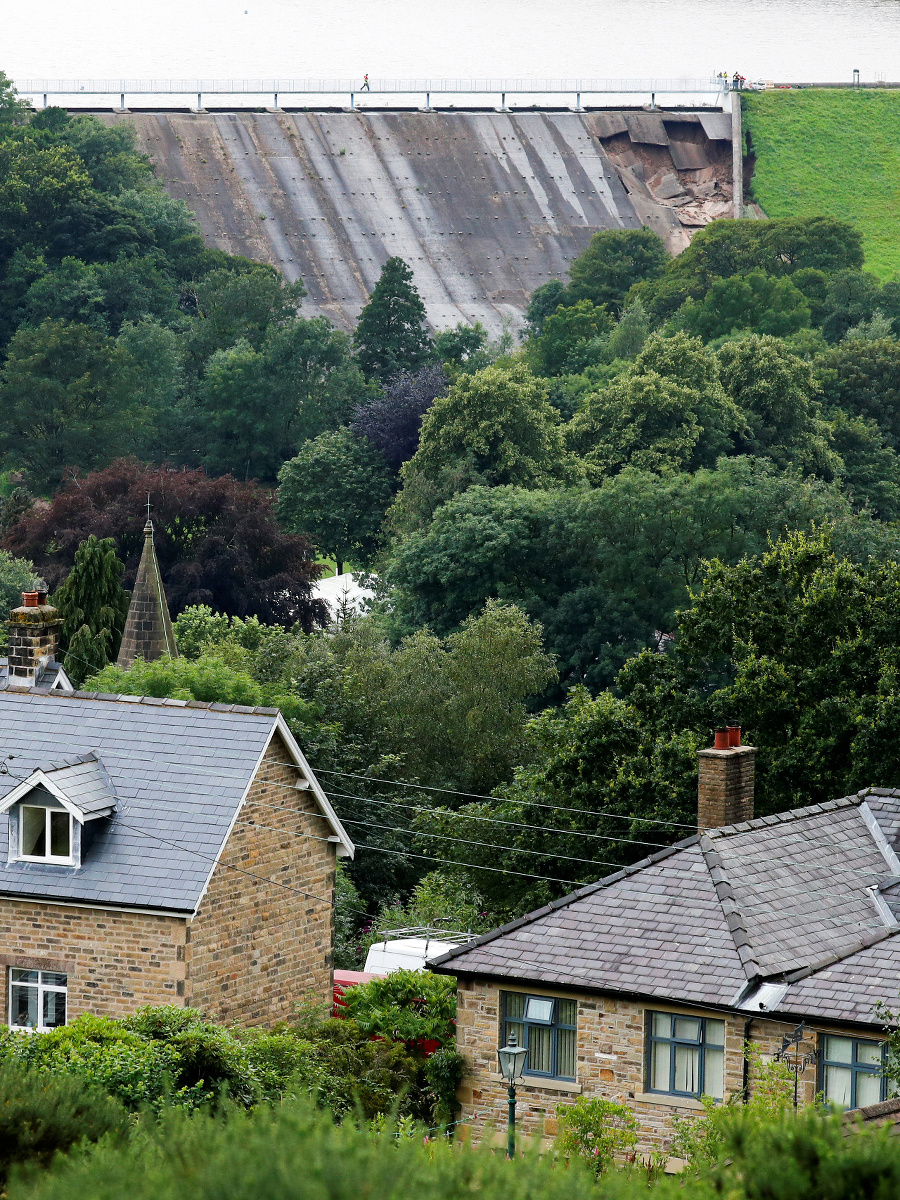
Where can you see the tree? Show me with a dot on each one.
(57, 408)
(389, 336)
(863, 379)
(615, 260)
(391, 422)
(545, 300)
(777, 392)
(243, 301)
(726, 248)
(572, 338)
(93, 606)
(752, 301)
(494, 427)
(871, 469)
(605, 570)
(336, 492)
(13, 110)
(216, 539)
(669, 409)
(17, 575)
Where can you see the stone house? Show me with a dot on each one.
(156, 852)
(644, 987)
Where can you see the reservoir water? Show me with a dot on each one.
(797, 40)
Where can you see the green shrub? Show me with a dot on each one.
(294, 1153)
(407, 1006)
(42, 1115)
(598, 1131)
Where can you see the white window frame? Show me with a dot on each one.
(41, 988)
(67, 860)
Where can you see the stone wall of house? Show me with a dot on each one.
(610, 1063)
(257, 948)
(115, 961)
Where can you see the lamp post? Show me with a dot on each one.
(512, 1063)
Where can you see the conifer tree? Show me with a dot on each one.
(93, 606)
(389, 336)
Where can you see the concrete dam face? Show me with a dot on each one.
(484, 207)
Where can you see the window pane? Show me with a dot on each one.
(539, 1058)
(688, 1028)
(869, 1052)
(24, 1006)
(659, 1067)
(687, 1068)
(34, 836)
(714, 1082)
(837, 1085)
(839, 1049)
(54, 1009)
(60, 845)
(565, 1053)
(868, 1088)
(566, 1012)
(715, 1033)
(515, 1005)
(662, 1025)
(20, 976)
(538, 1009)
(53, 979)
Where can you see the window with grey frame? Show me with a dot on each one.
(851, 1071)
(685, 1055)
(546, 1027)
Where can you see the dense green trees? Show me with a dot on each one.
(93, 606)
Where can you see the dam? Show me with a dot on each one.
(484, 206)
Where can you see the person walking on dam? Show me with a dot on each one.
(365, 83)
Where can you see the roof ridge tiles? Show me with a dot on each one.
(564, 901)
(734, 918)
(156, 701)
(836, 956)
(792, 814)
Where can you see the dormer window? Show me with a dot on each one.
(45, 834)
(49, 810)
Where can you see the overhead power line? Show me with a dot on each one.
(599, 812)
(591, 862)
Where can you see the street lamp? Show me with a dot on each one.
(512, 1063)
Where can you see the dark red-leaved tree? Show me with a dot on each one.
(216, 539)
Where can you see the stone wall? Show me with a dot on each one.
(610, 1063)
(115, 961)
(256, 948)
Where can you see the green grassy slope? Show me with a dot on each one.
(831, 153)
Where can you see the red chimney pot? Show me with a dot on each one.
(734, 735)
(723, 741)
(30, 599)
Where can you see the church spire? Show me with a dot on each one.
(148, 628)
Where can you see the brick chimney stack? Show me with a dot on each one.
(33, 636)
(725, 783)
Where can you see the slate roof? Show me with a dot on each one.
(808, 899)
(178, 770)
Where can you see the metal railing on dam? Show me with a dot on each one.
(176, 93)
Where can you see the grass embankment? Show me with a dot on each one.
(831, 153)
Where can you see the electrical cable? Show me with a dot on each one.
(430, 858)
(590, 862)
(463, 816)
(499, 799)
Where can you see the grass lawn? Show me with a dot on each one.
(831, 153)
